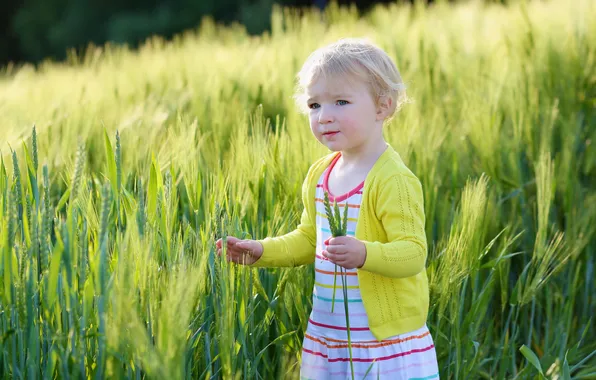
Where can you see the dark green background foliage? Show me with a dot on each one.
(32, 30)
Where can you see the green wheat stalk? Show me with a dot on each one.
(78, 172)
(34, 149)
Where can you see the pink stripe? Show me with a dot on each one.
(330, 313)
(342, 343)
(319, 367)
(348, 273)
(368, 360)
(338, 327)
(314, 353)
(338, 272)
(431, 363)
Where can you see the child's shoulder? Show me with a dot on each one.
(393, 178)
(390, 164)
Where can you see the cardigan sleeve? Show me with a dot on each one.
(294, 248)
(400, 208)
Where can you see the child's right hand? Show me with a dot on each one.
(245, 252)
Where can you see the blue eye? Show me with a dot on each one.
(313, 106)
(342, 102)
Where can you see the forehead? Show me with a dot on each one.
(322, 86)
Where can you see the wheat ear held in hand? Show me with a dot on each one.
(329, 214)
(337, 228)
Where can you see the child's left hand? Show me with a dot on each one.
(345, 251)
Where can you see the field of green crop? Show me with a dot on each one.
(139, 160)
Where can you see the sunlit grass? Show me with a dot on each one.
(108, 265)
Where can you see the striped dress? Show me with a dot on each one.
(325, 353)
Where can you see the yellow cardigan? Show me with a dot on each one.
(393, 281)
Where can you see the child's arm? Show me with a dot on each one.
(400, 208)
(294, 248)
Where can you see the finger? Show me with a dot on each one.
(343, 262)
(242, 244)
(336, 242)
(249, 245)
(235, 252)
(239, 253)
(242, 258)
(242, 249)
(233, 247)
(231, 240)
(229, 254)
(337, 249)
(340, 240)
(229, 251)
(332, 256)
(234, 257)
(228, 247)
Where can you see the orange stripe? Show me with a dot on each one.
(360, 345)
(339, 204)
(332, 273)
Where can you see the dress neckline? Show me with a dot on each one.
(343, 197)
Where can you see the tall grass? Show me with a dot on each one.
(109, 208)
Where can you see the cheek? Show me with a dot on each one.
(313, 121)
(349, 122)
(355, 121)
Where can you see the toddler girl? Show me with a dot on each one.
(349, 89)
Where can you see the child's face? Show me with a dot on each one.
(343, 115)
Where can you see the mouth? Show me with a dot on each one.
(330, 133)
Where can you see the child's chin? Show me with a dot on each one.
(332, 145)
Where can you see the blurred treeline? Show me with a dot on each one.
(33, 30)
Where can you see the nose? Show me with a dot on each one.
(325, 115)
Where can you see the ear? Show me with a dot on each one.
(384, 107)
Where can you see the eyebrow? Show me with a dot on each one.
(340, 95)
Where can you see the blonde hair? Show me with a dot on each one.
(351, 58)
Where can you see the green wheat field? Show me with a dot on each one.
(119, 169)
